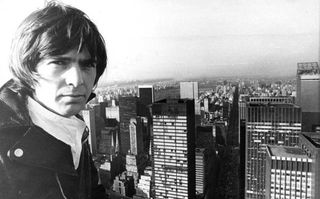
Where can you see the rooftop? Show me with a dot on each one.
(282, 151)
(308, 68)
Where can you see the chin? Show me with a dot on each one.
(73, 110)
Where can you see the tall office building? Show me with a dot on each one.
(243, 115)
(310, 143)
(242, 110)
(288, 173)
(190, 90)
(109, 143)
(146, 97)
(206, 104)
(127, 110)
(200, 170)
(136, 135)
(206, 138)
(267, 124)
(308, 94)
(173, 153)
(90, 119)
(242, 104)
(146, 94)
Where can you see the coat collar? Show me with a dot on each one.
(13, 105)
(38, 148)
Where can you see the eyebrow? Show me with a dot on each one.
(69, 59)
(87, 61)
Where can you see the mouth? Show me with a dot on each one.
(74, 97)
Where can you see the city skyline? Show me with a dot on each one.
(170, 39)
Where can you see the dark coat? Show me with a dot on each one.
(34, 164)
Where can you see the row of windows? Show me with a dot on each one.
(171, 145)
(167, 116)
(173, 163)
(168, 128)
(160, 170)
(270, 113)
(171, 181)
(175, 123)
(291, 165)
(162, 149)
(166, 131)
(265, 124)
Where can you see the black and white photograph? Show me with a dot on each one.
(160, 99)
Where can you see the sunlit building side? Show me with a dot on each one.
(267, 124)
(288, 173)
(173, 148)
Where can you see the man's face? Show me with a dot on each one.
(65, 82)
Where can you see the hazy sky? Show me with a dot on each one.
(189, 38)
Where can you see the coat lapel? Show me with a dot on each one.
(38, 148)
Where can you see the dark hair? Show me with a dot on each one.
(54, 30)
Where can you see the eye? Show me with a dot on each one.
(88, 65)
(58, 62)
(91, 65)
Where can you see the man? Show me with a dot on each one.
(58, 56)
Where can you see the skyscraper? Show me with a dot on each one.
(308, 94)
(200, 170)
(127, 110)
(109, 143)
(288, 173)
(189, 90)
(146, 94)
(267, 124)
(89, 118)
(242, 104)
(173, 153)
(146, 97)
(136, 135)
(310, 143)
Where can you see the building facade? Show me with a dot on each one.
(288, 173)
(173, 149)
(137, 129)
(146, 94)
(310, 143)
(267, 124)
(200, 170)
(128, 110)
(189, 90)
(308, 94)
(109, 141)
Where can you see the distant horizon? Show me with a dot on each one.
(148, 39)
(218, 78)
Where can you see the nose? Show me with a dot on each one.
(74, 76)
